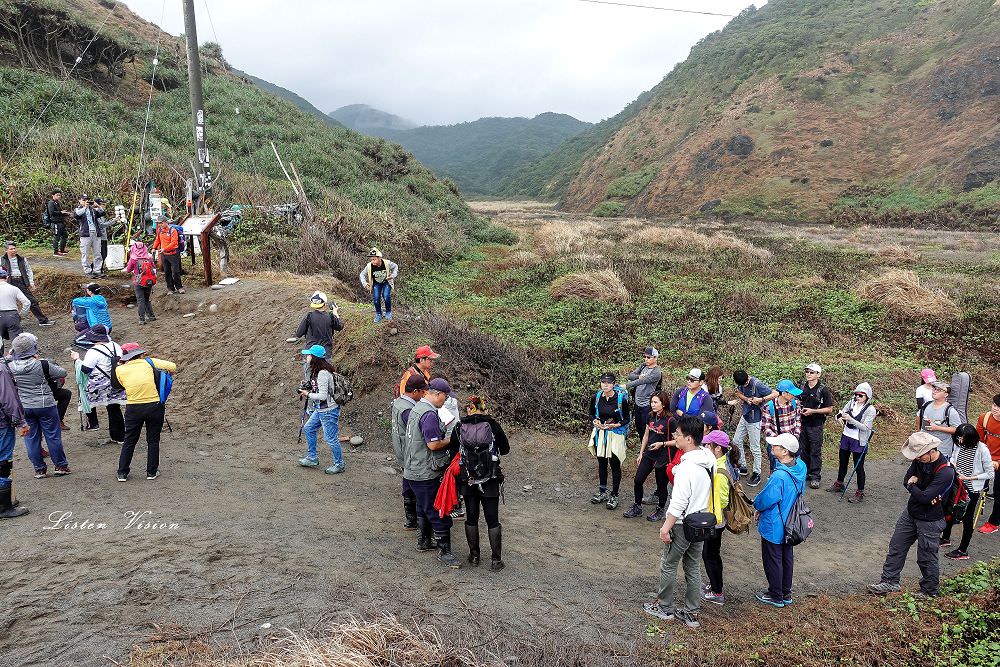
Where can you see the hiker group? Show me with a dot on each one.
(700, 471)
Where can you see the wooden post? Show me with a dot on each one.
(206, 249)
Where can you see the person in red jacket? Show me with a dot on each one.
(988, 427)
(168, 243)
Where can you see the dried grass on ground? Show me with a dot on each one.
(603, 285)
(680, 238)
(560, 238)
(897, 254)
(903, 295)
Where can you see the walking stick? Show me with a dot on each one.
(979, 507)
(302, 424)
(861, 459)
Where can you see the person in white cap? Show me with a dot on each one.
(771, 508)
(318, 325)
(692, 398)
(379, 276)
(817, 404)
(939, 417)
(928, 480)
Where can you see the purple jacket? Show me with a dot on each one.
(11, 412)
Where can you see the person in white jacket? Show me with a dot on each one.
(379, 276)
(858, 418)
(974, 465)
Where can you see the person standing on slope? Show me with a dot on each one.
(645, 381)
(20, 275)
(12, 423)
(168, 243)
(751, 393)
(423, 362)
(379, 276)
(324, 411)
(138, 376)
(13, 305)
(318, 325)
(655, 453)
(57, 219)
(692, 398)
(925, 392)
(782, 415)
(817, 405)
(87, 215)
(940, 418)
(97, 366)
(858, 418)
(974, 468)
(88, 312)
(143, 270)
(40, 409)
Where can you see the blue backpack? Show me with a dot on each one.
(181, 241)
(164, 381)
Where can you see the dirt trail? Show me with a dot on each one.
(261, 540)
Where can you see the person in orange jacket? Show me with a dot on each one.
(988, 427)
(168, 244)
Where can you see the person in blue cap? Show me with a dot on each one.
(322, 410)
(782, 414)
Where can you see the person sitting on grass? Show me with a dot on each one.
(858, 418)
(323, 411)
(974, 466)
(988, 427)
(88, 312)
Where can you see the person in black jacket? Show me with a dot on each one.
(929, 480)
(475, 491)
(57, 218)
(318, 325)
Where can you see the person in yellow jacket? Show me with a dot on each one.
(144, 408)
(718, 442)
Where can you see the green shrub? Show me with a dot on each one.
(632, 184)
(609, 209)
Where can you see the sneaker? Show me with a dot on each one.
(690, 618)
(599, 497)
(989, 529)
(814, 484)
(181, 291)
(633, 512)
(150, 319)
(388, 316)
(714, 598)
(744, 471)
(122, 478)
(788, 600)
(650, 499)
(153, 475)
(61, 470)
(457, 513)
(836, 487)
(957, 554)
(307, 462)
(654, 610)
(858, 497)
(335, 469)
(613, 502)
(754, 479)
(764, 597)
(944, 543)
(142, 321)
(883, 587)
(659, 514)
(378, 318)
(41, 474)
(46, 323)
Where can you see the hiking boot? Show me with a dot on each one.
(612, 502)
(814, 484)
(945, 542)
(599, 497)
(63, 426)
(754, 479)
(41, 473)
(659, 514)
(957, 554)
(765, 598)
(336, 469)
(714, 598)
(61, 470)
(836, 487)
(989, 528)
(883, 588)
(425, 541)
(858, 497)
(307, 462)
(152, 475)
(444, 551)
(142, 321)
(8, 509)
(122, 478)
(378, 318)
(410, 512)
(689, 618)
(656, 611)
(633, 512)
(744, 471)
(150, 319)
(650, 499)
(496, 546)
(472, 537)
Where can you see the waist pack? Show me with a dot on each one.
(480, 461)
(739, 513)
(699, 526)
(799, 522)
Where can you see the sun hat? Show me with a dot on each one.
(24, 346)
(440, 384)
(317, 300)
(786, 440)
(928, 375)
(918, 444)
(789, 386)
(425, 352)
(315, 351)
(132, 352)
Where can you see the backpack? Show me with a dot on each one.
(342, 393)
(478, 453)
(621, 400)
(164, 381)
(955, 501)
(799, 522)
(115, 360)
(739, 513)
(46, 221)
(770, 406)
(147, 273)
(181, 239)
(947, 412)
(53, 384)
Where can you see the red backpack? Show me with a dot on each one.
(147, 274)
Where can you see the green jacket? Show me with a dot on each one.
(419, 462)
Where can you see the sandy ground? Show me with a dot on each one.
(241, 536)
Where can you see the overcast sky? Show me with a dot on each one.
(449, 61)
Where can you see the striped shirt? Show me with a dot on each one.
(965, 463)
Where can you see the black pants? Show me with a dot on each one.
(142, 302)
(995, 514)
(63, 396)
(859, 461)
(711, 556)
(641, 420)
(104, 254)
(116, 421)
(779, 561)
(968, 527)
(616, 473)
(491, 509)
(172, 269)
(425, 492)
(36, 310)
(59, 237)
(646, 466)
(138, 415)
(811, 450)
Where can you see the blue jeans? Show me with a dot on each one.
(7, 440)
(44, 421)
(329, 419)
(380, 292)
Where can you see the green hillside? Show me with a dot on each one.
(480, 156)
(369, 120)
(285, 94)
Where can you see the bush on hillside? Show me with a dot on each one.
(609, 209)
(903, 296)
(604, 285)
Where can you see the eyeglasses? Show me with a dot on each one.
(808, 372)
(861, 396)
(694, 379)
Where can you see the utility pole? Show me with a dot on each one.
(203, 169)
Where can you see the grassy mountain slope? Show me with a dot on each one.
(367, 190)
(285, 94)
(369, 120)
(480, 155)
(807, 108)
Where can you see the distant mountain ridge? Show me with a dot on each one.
(369, 120)
(288, 95)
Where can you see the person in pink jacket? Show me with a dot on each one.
(143, 270)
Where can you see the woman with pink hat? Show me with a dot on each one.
(143, 270)
(924, 390)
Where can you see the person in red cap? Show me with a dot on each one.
(423, 361)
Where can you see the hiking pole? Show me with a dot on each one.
(167, 422)
(847, 484)
(302, 424)
(979, 507)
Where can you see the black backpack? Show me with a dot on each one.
(53, 384)
(799, 522)
(480, 461)
(116, 384)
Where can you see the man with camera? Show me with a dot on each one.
(88, 214)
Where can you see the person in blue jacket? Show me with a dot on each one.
(771, 508)
(88, 312)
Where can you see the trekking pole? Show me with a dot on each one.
(861, 459)
(167, 422)
(302, 425)
(980, 506)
